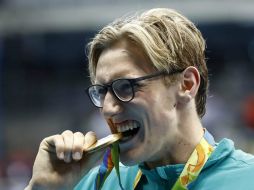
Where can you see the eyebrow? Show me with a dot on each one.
(116, 76)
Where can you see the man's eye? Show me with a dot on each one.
(124, 87)
(101, 91)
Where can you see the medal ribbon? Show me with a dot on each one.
(194, 165)
(110, 160)
(192, 168)
(189, 174)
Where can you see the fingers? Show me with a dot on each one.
(59, 144)
(70, 146)
(90, 139)
(78, 144)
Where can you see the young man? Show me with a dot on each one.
(150, 82)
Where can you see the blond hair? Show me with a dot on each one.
(169, 39)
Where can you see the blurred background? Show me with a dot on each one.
(43, 71)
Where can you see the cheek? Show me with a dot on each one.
(149, 98)
(150, 142)
(154, 105)
(158, 106)
(162, 113)
(158, 101)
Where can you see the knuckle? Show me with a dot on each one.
(44, 141)
(90, 138)
(90, 134)
(67, 132)
(78, 141)
(78, 134)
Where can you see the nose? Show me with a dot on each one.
(111, 105)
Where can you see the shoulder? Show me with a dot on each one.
(229, 169)
(235, 159)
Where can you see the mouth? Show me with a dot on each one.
(128, 129)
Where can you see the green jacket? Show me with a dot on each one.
(226, 169)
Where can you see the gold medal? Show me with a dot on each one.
(104, 142)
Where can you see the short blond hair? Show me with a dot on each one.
(169, 40)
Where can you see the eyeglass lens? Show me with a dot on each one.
(123, 89)
(97, 94)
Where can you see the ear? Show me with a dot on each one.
(189, 86)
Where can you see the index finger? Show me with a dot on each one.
(54, 144)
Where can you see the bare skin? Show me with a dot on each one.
(61, 161)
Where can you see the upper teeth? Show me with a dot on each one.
(127, 126)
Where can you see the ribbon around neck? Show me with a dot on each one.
(194, 165)
(191, 170)
(110, 160)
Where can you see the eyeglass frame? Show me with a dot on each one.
(132, 82)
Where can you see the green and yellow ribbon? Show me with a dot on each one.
(189, 174)
(110, 160)
(194, 165)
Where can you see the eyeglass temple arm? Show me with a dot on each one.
(157, 74)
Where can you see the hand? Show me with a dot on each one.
(61, 161)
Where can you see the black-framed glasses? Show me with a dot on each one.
(123, 89)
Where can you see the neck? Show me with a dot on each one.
(189, 134)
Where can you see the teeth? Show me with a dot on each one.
(127, 126)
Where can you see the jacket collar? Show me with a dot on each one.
(171, 172)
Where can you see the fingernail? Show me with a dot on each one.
(76, 156)
(61, 156)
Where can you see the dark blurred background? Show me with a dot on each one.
(43, 71)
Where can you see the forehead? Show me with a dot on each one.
(123, 59)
